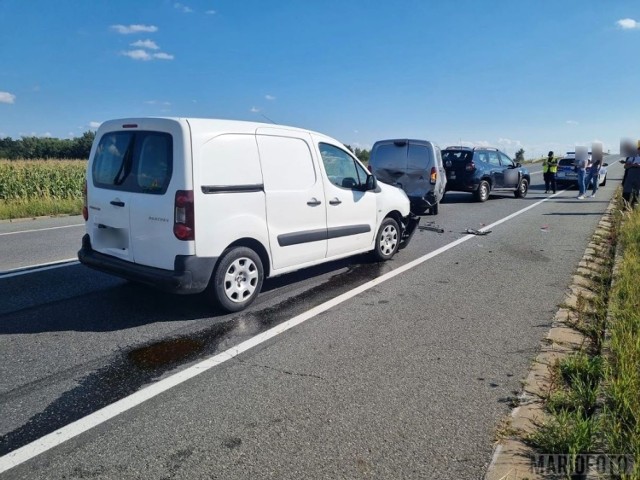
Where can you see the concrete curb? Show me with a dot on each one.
(512, 457)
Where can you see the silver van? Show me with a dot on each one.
(413, 165)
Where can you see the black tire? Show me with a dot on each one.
(387, 240)
(483, 191)
(523, 188)
(434, 209)
(237, 280)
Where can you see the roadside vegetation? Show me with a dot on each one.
(621, 413)
(593, 404)
(31, 188)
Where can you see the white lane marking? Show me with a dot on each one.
(41, 229)
(92, 420)
(41, 267)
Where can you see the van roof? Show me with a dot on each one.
(404, 141)
(209, 125)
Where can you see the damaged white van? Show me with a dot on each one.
(192, 205)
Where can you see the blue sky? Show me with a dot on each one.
(507, 73)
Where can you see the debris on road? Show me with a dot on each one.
(473, 231)
(431, 227)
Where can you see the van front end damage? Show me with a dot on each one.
(408, 225)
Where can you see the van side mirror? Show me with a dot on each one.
(371, 184)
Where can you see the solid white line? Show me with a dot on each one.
(74, 429)
(41, 267)
(41, 229)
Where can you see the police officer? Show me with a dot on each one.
(549, 170)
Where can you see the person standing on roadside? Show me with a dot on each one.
(549, 170)
(581, 168)
(592, 176)
(631, 182)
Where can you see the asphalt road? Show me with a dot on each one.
(407, 379)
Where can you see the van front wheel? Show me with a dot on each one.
(387, 240)
(237, 280)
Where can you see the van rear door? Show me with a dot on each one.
(131, 196)
(389, 162)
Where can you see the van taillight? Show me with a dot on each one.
(183, 221)
(85, 210)
(470, 167)
(434, 175)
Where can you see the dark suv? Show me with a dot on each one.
(482, 170)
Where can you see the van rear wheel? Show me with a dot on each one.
(387, 240)
(237, 280)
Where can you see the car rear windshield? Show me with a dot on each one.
(139, 161)
(457, 156)
(564, 162)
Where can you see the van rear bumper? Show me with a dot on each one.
(191, 274)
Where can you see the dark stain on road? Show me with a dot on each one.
(132, 369)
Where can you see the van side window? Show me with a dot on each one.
(139, 162)
(342, 169)
(287, 164)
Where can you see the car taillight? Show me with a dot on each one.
(434, 175)
(85, 210)
(183, 221)
(470, 167)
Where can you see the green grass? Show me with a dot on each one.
(621, 417)
(37, 207)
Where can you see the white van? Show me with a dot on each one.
(191, 205)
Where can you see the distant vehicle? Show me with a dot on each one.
(200, 205)
(567, 174)
(413, 165)
(483, 170)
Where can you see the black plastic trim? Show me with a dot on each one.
(296, 238)
(209, 189)
(191, 274)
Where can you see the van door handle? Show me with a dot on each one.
(335, 201)
(117, 203)
(314, 202)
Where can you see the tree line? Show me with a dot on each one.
(29, 148)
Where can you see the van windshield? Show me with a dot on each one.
(139, 161)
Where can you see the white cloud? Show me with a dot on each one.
(183, 8)
(137, 55)
(572, 122)
(148, 44)
(128, 29)
(254, 110)
(94, 124)
(6, 97)
(508, 143)
(47, 134)
(210, 12)
(156, 102)
(269, 97)
(628, 24)
(163, 56)
(144, 56)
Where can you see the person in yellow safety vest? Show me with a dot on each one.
(549, 170)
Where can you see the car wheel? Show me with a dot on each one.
(434, 209)
(523, 188)
(604, 180)
(237, 280)
(484, 189)
(387, 240)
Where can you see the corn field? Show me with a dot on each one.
(41, 179)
